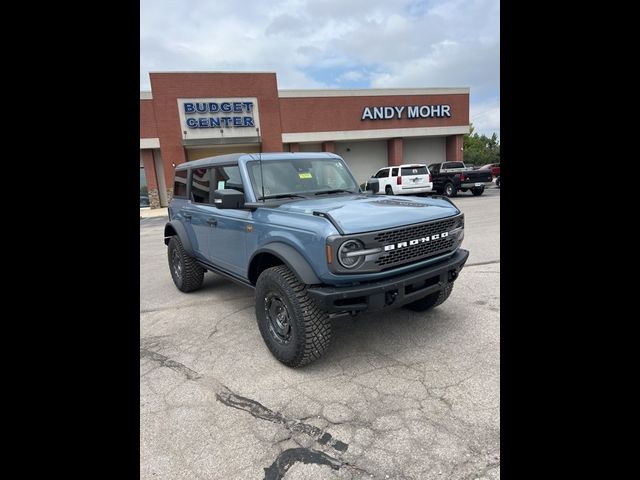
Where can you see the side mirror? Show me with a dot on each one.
(228, 198)
(373, 185)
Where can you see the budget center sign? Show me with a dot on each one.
(219, 117)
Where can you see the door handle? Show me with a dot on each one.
(212, 221)
(186, 216)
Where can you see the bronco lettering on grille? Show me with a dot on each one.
(416, 241)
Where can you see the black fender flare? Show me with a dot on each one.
(180, 231)
(292, 259)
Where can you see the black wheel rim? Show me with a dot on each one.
(278, 319)
(176, 264)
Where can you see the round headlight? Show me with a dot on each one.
(350, 261)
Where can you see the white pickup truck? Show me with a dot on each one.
(408, 179)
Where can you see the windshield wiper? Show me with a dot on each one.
(338, 190)
(282, 195)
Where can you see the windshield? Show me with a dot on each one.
(299, 177)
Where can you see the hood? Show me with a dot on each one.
(366, 213)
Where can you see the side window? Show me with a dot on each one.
(227, 177)
(180, 184)
(453, 165)
(200, 185)
(394, 172)
(384, 173)
(434, 167)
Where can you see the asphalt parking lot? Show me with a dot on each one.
(403, 395)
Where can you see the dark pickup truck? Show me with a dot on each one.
(451, 177)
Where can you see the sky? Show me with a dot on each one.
(330, 44)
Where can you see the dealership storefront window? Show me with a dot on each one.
(144, 196)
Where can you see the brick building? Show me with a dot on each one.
(188, 116)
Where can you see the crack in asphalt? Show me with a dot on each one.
(165, 361)
(258, 410)
(215, 328)
(194, 304)
(289, 457)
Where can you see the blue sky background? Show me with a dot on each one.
(334, 44)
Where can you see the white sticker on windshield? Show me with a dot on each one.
(221, 185)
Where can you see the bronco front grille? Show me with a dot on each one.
(419, 251)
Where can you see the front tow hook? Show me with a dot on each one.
(390, 297)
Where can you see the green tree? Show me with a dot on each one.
(480, 149)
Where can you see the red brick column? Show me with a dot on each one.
(454, 148)
(329, 147)
(149, 169)
(395, 151)
(151, 176)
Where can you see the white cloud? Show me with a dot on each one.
(351, 75)
(447, 63)
(485, 117)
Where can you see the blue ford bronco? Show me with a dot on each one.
(297, 229)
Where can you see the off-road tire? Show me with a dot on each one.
(388, 190)
(310, 327)
(450, 190)
(190, 275)
(432, 300)
(477, 191)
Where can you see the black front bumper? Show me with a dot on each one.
(393, 292)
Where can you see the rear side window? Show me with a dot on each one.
(384, 173)
(394, 172)
(200, 185)
(453, 165)
(180, 184)
(227, 177)
(435, 167)
(414, 171)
